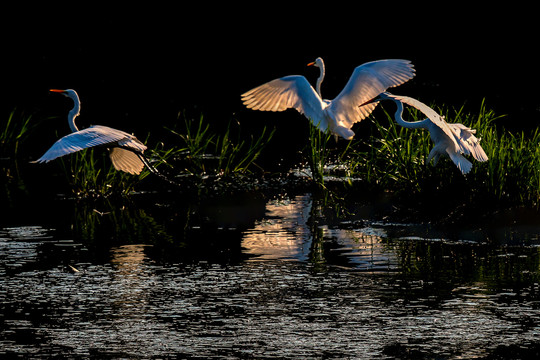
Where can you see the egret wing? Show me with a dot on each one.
(368, 81)
(126, 160)
(289, 92)
(469, 143)
(90, 137)
(461, 162)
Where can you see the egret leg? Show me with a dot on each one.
(155, 171)
(433, 154)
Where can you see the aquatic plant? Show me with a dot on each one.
(394, 158)
(13, 133)
(203, 152)
(102, 221)
(318, 153)
(90, 173)
(513, 172)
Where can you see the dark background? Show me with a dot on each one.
(136, 68)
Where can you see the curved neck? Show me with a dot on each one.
(74, 113)
(398, 116)
(320, 79)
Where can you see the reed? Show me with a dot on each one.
(318, 153)
(394, 158)
(203, 152)
(13, 133)
(90, 173)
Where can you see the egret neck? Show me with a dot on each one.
(408, 124)
(321, 76)
(76, 107)
(74, 112)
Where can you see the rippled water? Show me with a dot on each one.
(297, 289)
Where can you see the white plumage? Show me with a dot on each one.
(124, 149)
(454, 140)
(338, 115)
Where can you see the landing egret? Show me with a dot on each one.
(450, 139)
(338, 115)
(125, 150)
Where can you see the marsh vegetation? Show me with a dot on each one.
(345, 237)
(388, 158)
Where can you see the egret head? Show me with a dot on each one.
(317, 63)
(70, 93)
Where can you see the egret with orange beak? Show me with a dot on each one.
(125, 150)
(338, 115)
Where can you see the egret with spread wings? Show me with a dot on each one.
(125, 150)
(338, 115)
(452, 139)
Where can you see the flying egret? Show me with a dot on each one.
(338, 115)
(125, 150)
(452, 139)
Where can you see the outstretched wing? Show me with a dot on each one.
(90, 137)
(432, 115)
(469, 143)
(367, 81)
(289, 92)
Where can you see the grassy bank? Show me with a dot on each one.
(394, 158)
(389, 159)
(191, 149)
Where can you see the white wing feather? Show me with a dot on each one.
(461, 162)
(125, 160)
(90, 137)
(367, 81)
(289, 92)
(469, 143)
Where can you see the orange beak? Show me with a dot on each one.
(311, 63)
(57, 91)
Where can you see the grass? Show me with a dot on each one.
(205, 153)
(13, 133)
(394, 158)
(390, 159)
(318, 153)
(196, 149)
(513, 171)
(91, 174)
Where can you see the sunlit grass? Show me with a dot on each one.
(90, 174)
(203, 151)
(391, 158)
(317, 153)
(394, 158)
(196, 150)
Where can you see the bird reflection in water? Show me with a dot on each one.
(284, 232)
(128, 259)
(133, 279)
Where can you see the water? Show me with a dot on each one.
(268, 282)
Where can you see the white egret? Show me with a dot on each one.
(125, 150)
(338, 115)
(450, 139)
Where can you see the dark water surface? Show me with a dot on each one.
(262, 279)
